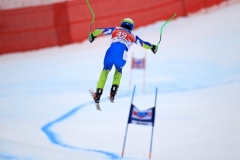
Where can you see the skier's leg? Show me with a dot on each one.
(119, 63)
(115, 84)
(100, 85)
(102, 79)
(117, 78)
(103, 76)
(107, 66)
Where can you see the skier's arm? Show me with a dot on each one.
(105, 31)
(145, 44)
(98, 32)
(142, 43)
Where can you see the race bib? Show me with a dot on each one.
(123, 37)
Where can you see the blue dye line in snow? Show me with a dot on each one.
(6, 157)
(111, 155)
(53, 137)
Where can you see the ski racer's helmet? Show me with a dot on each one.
(127, 23)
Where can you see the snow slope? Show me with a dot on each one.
(47, 112)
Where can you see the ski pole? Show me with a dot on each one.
(93, 16)
(163, 26)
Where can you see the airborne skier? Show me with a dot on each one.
(122, 39)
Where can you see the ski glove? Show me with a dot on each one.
(154, 49)
(91, 38)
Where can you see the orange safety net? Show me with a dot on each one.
(68, 22)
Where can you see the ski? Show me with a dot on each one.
(97, 104)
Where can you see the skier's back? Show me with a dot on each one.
(122, 39)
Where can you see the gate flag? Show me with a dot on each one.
(138, 63)
(145, 117)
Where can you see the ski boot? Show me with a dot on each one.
(97, 95)
(113, 92)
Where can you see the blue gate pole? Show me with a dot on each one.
(127, 122)
(155, 103)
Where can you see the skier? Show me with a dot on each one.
(122, 39)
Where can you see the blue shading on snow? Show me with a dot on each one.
(53, 137)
